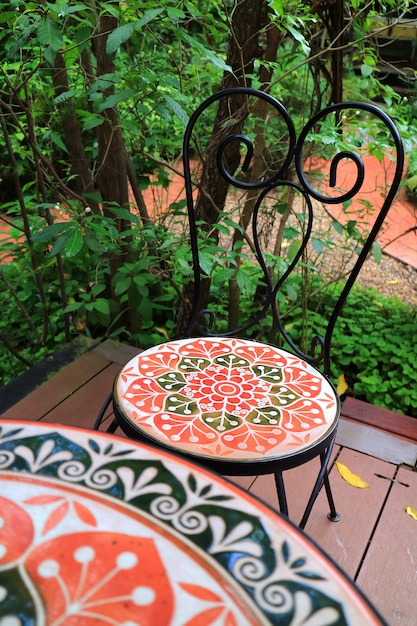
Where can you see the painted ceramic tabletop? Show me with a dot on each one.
(96, 529)
(226, 397)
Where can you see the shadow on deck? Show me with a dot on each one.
(375, 541)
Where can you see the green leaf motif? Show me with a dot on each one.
(267, 416)
(195, 364)
(281, 396)
(178, 404)
(231, 360)
(93, 445)
(221, 422)
(173, 381)
(270, 373)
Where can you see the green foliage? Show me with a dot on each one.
(373, 346)
(107, 271)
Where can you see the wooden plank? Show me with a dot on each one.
(81, 408)
(376, 443)
(24, 384)
(395, 423)
(299, 483)
(389, 573)
(244, 482)
(117, 352)
(51, 393)
(346, 540)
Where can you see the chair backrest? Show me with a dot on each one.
(254, 154)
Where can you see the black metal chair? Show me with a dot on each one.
(249, 406)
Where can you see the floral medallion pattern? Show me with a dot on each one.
(99, 530)
(227, 398)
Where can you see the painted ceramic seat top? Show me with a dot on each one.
(227, 398)
(98, 530)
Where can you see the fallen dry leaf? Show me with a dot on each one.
(163, 332)
(411, 512)
(342, 385)
(349, 477)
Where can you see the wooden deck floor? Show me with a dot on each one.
(375, 541)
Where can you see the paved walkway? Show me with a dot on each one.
(398, 237)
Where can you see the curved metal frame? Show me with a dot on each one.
(294, 154)
(276, 179)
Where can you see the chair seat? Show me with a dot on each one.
(226, 399)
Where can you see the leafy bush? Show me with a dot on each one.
(374, 347)
(373, 344)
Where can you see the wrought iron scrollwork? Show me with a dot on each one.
(293, 157)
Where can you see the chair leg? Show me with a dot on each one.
(102, 412)
(113, 427)
(282, 498)
(333, 515)
(322, 478)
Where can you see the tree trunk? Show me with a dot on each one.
(112, 179)
(273, 38)
(243, 49)
(82, 182)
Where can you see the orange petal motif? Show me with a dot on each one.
(93, 578)
(56, 516)
(84, 514)
(16, 531)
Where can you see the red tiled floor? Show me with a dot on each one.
(398, 237)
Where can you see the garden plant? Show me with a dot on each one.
(94, 98)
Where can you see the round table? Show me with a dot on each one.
(96, 529)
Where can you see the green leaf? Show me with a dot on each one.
(59, 244)
(121, 34)
(293, 249)
(93, 122)
(102, 306)
(49, 232)
(66, 95)
(208, 54)
(122, 285)
(317, 245)
(291, 292)
(49, 35)
(115, 98)
(206, 262)
(338, 227)
(5, 16)
(377, 252)
(74, 243)
(124, 214)
(366, 70)
(177, 109)
(73, 306)
(175, 14)
(57, 140)
(50, 55)
(412, 182)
